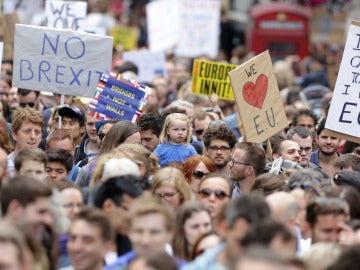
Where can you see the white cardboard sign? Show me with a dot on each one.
(59, 61)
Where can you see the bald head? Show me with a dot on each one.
(283, 207)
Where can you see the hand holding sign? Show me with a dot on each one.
(254, 94)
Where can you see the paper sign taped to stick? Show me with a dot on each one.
(212, 77)
(60, 61)
(258, 99)
(65, 14)
(344, 112)
(118, 97)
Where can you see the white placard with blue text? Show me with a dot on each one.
(59, 61)
(149, 63)
(344, 112)
(65, 14)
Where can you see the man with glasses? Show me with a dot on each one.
(219, 141)
(246, 163)
(304, 139)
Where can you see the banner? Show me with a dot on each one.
(65, 15)
(118, 97)
(212, 77)
(59, 61)
(344, 112)
(258, 98)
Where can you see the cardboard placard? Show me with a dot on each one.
(212, 77)
(65, 14)
(60, 61)
(126, 36)
(344, 112)
(7, 33)
(258, 98)
(118, 97)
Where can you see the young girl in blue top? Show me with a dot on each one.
(175, 140)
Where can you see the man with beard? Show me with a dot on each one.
(327, 153)
(219, 140)
(246, 163)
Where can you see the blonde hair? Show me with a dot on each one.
(137, 153)
(172, 176)
(169, 121)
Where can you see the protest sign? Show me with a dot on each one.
(344, 112)
(258, 98)
(163, 24)
(60, 61)
(7, 32)
(65, 15)
(126, 36)
(200, 28)
(212, 77)
(118, 97)
(149, 63)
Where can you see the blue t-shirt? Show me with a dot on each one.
(167, 152)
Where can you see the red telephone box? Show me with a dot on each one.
(282, 28)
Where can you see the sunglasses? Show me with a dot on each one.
(199, 174)
(101, 136)
(199, 131)
(30, 104)
(219, 194)
(304, 186)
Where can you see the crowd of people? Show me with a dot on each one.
(181, 188)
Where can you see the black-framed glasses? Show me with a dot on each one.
(234, 162)
(167, 195)
(30, 104)
(206, 192)
(219, 148)
(199, 174)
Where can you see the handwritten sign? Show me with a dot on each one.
(149, 63)
(118, 97)
(212, 77)
(59, 61)
(258, 98)
(163, 24)
(126, 36)
(65, 15)
(344, 112)
(200, 28)
(7, 32)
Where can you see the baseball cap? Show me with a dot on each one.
(72, 112)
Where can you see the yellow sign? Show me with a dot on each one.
(126, 36)
(212, 77)
(258, 98)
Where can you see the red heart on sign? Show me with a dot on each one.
(254, 94)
